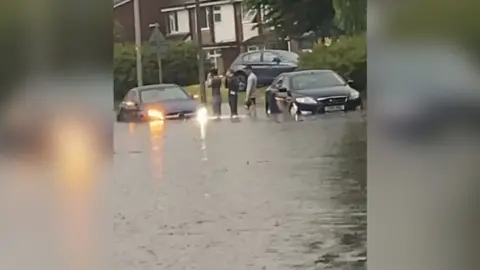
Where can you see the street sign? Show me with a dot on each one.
(157, 39)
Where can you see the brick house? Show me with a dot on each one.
(227, 28)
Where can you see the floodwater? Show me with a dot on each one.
(249, 195)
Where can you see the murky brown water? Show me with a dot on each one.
(253, 195)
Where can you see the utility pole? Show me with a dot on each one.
(201, 64)
(138, 41)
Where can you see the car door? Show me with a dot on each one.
(275, 68)
(254, 59)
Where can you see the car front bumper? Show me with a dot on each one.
(350, 105)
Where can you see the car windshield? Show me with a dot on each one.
(289, 56)
(162, 94)
(316, 80)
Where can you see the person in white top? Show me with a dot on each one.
(250, 97)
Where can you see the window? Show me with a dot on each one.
(249, 16)
(163, 93)
(252, 48)
(316, 80)
(217, 14)
(173, 22)
(214, 56)
(131, 96)
(278, 82)
(269, 57)
(203, 18)
(252, 57)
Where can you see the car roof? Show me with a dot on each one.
(307, 71)
(153, 86)
(265, 50)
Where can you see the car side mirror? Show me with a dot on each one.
(277, 60)
(283, 90)
(194, 96)
(350, 81)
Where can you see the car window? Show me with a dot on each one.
(252, 57)
(288, 56)
(269, 57)
(162, 94)
(316, 80)
(279, 81)
(131, 96)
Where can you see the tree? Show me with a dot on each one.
(351, 15)
(295, 17)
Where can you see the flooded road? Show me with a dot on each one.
(252, 195)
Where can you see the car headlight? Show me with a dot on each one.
(354, 94)
(202, 115)
(154, 114)
(306, 100)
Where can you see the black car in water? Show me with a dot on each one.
(266, 64)
(157, 102)
(312, 92)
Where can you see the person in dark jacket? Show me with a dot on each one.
(216, 84)
(232, 84)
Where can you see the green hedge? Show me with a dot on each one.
(179, 66)
(347, 56)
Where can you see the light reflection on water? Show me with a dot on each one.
(156, 140)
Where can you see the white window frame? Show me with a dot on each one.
(217, 10)
(207, 15)
(172, 21)
(213, 55)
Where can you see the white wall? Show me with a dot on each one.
(183, 21)
(248, 32)
(225, 30)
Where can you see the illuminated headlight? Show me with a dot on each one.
(202, 115)
(306, 100)
(154, 114)
(354, 94)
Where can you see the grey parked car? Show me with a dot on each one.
(266, 64)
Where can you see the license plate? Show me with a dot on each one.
(335, 108)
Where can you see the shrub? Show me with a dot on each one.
(347, 56)
(179, 66)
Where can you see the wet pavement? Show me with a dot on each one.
(252, 195)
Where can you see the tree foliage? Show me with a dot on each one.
(293, 17)
(347, 56)
(179, 66)
(351, 15)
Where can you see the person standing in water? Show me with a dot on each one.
(216, 84)
(231, 84)
(250, 98)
